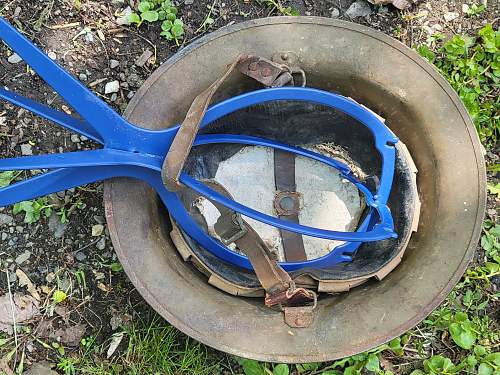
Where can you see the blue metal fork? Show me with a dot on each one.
(131, 151)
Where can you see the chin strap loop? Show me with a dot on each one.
(279, 287)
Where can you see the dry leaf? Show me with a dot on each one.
(25, 307)
(70, 336)
(116, 339)
(25, 281)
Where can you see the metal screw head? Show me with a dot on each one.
(253, 66)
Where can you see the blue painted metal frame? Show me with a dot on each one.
(130, 151)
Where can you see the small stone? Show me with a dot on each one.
(112, 87)
(359, 8)
(83, 77)
(5, 219)
(19, 229)
(101, 245)
(130, 95)
(83, 138)
(75, 138)
(56, 226)
(115, 322)
(450, 16)
(144, 58)
(14, 58)
(97, 230)
(20, 259)
(335, 13)
(134, 80)
(80, 256)
(52, 55)
(4, 236)
(114, 64)
(26, 149)
(99, 219)
(89, 37)
(114, 96)
(42, 368)
(188, 2)
(465, 8)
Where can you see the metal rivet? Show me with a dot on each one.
(253, 66)
(287, 203)
(266, 72)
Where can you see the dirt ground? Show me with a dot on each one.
(85, 38)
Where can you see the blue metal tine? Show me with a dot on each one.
(111, 127)
(60, 118)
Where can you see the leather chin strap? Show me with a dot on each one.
(230, 227)
(279, 286)
(287, 204)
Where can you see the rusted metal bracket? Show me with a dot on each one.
(271, 73)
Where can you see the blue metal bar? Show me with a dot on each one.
(112, 128)
(104, 157)
(60, 118)
(134, 152)
(256, 141)
(380, 231)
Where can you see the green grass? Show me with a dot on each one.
(472, 66)
(147, 347)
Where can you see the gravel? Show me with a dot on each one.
(114, 64)
(5, 219)
(101, 245)
(14, 58)
(111, 87)
(359, 8)
(20, 259)
(26, 149)
(56, 226)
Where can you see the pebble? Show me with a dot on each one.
(188, 2)
(56, 226)
(14, 58)
(101, 245)
(80, 256)
(144, 58)
(19, 229)
(114, 96)
(99, 219)
(112, 87)
(4, 236)
(5, 219)
(52, 55)
(465, 8)
(134, 80)
(114, 64)
(26, 149)
(97, 230)
(450, 16)
(83, 77)
(20, 259)
(335, 13)
(75, 138)
(359, 8)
